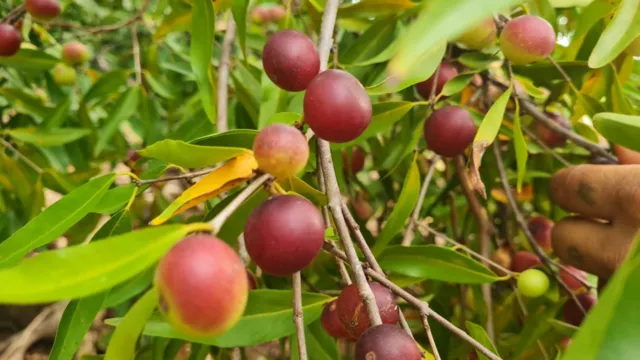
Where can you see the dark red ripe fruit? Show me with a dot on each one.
(449, 131)
(572, 283)
(445, 73)
(540, 228)
(549, 137)
(203, 286)
(331, 324)
(386, 342)
(337, 107)
(524, 260)
(9, 40)
(43, 9)
(291, 60)
(284, 234)
(572, 313)
(353, 314)
(353, 162)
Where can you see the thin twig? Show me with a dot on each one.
(564, 75)
(408, 234)
(333, 191)
(12, 14)
(21, 156)
(546, 149)
(298, 316)
(122, 24)
(176, 177)
(136, 53)
(485, 229)
(224, 214)
(432, 341)
(223, 76)
(417, 303)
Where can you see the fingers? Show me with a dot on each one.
(599, 191)
(594, 247)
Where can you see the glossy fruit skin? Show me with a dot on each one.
(203, 286)
(549, 137)
(43, 9)
(533, 283)
(572, 314)
(540, 227)
(445, 73)
(479, 36)
(10, 40)
(449, 131)
(290, 60)
(572, 283)
(281, 150)
(527, 39)
(353, 315)
(386, 342)
(331, 324)
(284, 234)
(337, 107)
(524, 260)
(353, 162)
(74, 53)
(634, 48)
(64, 75)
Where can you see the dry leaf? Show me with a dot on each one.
(477, 151)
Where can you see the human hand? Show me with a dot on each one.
(606, 199)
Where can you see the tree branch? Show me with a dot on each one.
(169, 178)
(408, 234)
(136, 54)
(298, 316)
(223, 215)
(222, 122)
(21, 156)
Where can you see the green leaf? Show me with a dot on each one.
(188, 155)
(47, 137)
(108, 84)
(457, 84)
(239, 11)
(119, 223)
(620, 129)
(268, 316)
(122, 345)
(477, 332)
(520, 145)
(30, 60)
(385, 114)
(242, 138)
(320, 346)
(619, 33)
(125, 108)
(563, 328)
(439, 22)
(477, 60)
(66, 274)
(299, 186)
(436, 263)
(370, 8)
(130, 288)
(25, 103)
(202, 37)
(535, 326)
(234, 226)
(59, 115)
(490, 125)
(372, 42)
(53, 222)
(402, 209)
(159, 87)
(429, 62)
(288, 118)
(271, 95)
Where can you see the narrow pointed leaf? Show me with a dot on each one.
(124, 108)
(44, 137)
(202, 33)
(187, 155)
(239, 10)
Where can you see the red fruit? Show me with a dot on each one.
(132, 155)
(352, 312)
(75, 53)
(572, 313)
(281, 150)
(203, 286)
(527, 39)
(43, 9)
(353, 162)
(524, 260)
(10, 40)
(331, 324)
(449, 131)
(549, 137)
(277, 13)
(291, 60)
(337, 107)
(362, 208)
(284, 234)
(386, 342)
(540, 227)
(572, 283)
(446, 73)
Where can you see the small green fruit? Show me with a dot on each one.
(64, 75)
(479, 37)
(533, 283)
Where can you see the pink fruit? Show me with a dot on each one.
(291, 60)
(527, 39)
(281, 150)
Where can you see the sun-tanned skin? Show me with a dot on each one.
(606, 203)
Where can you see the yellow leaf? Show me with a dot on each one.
(228, 176)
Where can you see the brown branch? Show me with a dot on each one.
(486, 230)
(432, 341)
(222, 122)
(417, 303)
(409, 235)
(224, 214)
(544, 147)
(169, 178)
(13, 14)
(298, 316)
(136, 54)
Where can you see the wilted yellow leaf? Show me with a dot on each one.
(228, 176)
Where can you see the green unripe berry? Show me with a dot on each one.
(533, 283)
(64, 75)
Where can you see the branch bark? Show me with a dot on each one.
(408, 234)
(298, 316)
(222, 122)
(222, 217)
